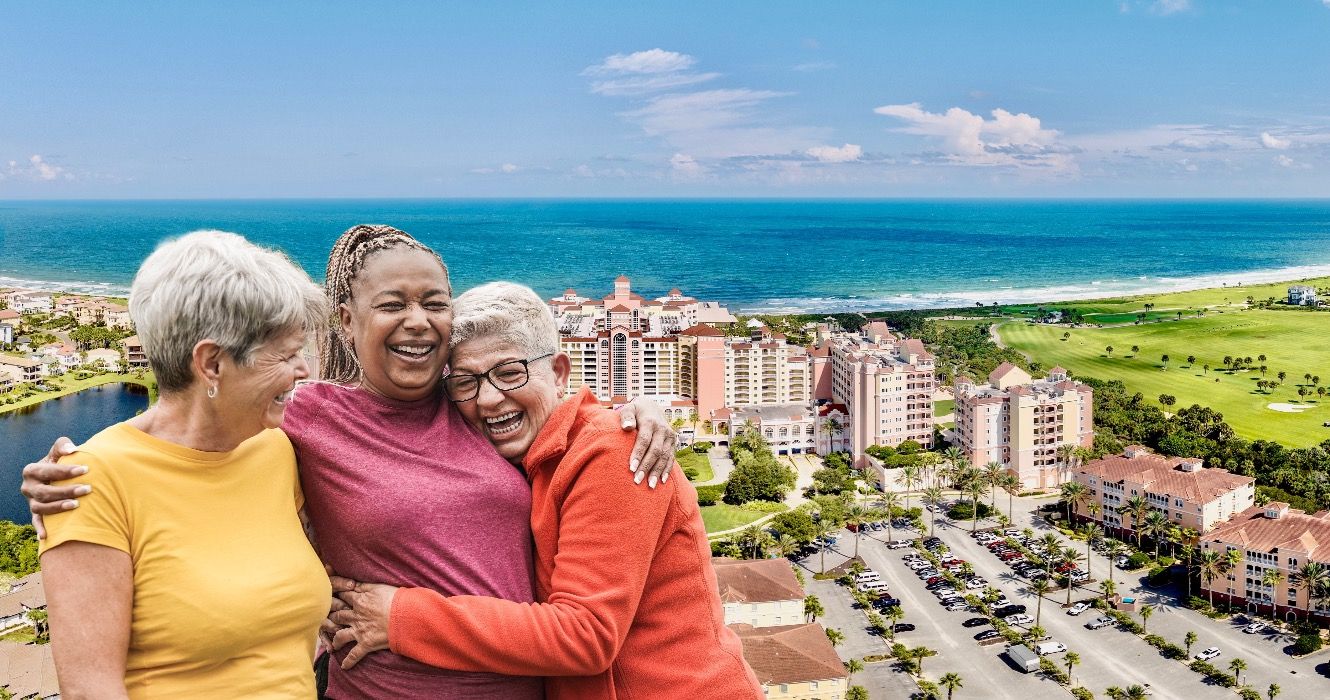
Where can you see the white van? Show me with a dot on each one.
(874, 587)
(1046, 648)
(866, 576)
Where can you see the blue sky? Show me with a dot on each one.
(1170, 98)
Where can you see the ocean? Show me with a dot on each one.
(757, 256)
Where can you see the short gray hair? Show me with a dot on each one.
(217, 285)
(510, 311)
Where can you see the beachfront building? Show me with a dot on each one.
(9, 378)
(1191, 495)
(9, 321)
(794, 661)
(1020, 422)
(789, 428)
(134, 353)
(31, 303)
(759, 592)
(116, 316)
(885, 384)
(1273, 537)
(1302, 295)
(103, 358)
(29, 370)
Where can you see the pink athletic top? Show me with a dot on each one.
(409, 495)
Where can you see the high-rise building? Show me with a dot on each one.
(884, 382)
(1020, 422)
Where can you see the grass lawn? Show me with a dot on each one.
(22, 635)
(942, 408)
(1292, 342)
(702, 463)
(68, 385)
(723, 516)
(1217, 296)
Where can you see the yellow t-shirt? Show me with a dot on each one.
(228, 594)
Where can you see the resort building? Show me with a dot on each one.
(1271, 538)
(1182, 488)
(794, 661)
(31, 302)
(1020, 422)
(135, 355)
(108, 359)
(789, 428)
(29, 370)
(9, 378)
(116, 316)
(759, 592)
(9, 321)
(1302, 295)
(884, 382)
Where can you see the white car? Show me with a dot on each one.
(1046, 648)
(1254, 628)
(975, 583)
(1207, 654)
(1001, 601)
(1078, 576)
(1099, 622)
(1078, 608)
(956, 605)
(1018, 619)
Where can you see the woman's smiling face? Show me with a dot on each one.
(511, 419)
(398, 319)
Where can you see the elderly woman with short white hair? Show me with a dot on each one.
(627, 602)
(190, 575)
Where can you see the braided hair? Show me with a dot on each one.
(337, 355)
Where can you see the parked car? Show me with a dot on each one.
(1207, 654)
(956, 606)
(884, 603)
(1011, 609)
(1002, 601)
(987, 635)
(1255, 628)
(903, 627)
(975, 622)
(975, 583)
(1046, 648)
(898, 544)
(1099, 622)
(1078, 576)
(1018, 619)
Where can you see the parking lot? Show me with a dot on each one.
(1109, 656)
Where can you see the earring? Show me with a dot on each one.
(212, 391)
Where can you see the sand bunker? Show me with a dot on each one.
(1289, 407)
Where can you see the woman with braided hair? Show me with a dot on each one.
(398, 488)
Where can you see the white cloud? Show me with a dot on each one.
(1006, 139)
(508, 168)
(36, 168)
(709, 109)
(1170, 7)
(831, 154)
(643, 72)
(1271, 141)
(685, 166)
(1285, 161)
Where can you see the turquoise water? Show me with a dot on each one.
(27, 434)
(755, 255)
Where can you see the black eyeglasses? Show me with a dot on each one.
(504, 376)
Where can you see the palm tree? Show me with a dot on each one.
(893, 615)
(1232, 559)
(1114, 551)
(1092, 534)
(890, 504)
(1135, 349)
(911, 478)
(1074, 493)
(933, 497)
(1109, 588)
(856, 692)
(1189, 640)
(953, 456)
(1272, 578)
(858, 514)
(1052, 546)
(1137, 508)
(822, 528)
(1165, 359)
(1039, 588)
(1272, 691)
(1155, 525)
(1211, 565)
(1070, 556)
(951, 682)
(1191, 359)
(1146, 611)
(974, 488)
(1313, 577)
(835, 636)
(813, 607)
(993, 472)
(919, 654)
(852, 667)
(786, 545)
(1109, 350)
(1237, 666)
(1134, 692)
(1072, 659)
(1012, 485)
(753, 535)
(833, 428)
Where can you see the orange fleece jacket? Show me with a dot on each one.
(628, 599)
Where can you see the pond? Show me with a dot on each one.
(26, 434)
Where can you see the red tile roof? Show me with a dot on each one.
(701, 329)
(1162, 475)
(1295, 529)
(789, 653)
(756, 580)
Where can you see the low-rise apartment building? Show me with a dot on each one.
(134, 353)
(759, 592)
(1273, 537)
(9, 321)
(31, 302)
(29, 370)
(9, 378)
(1020, 422)
(789, 428)
(1302, 295)
(1182, 488)
(885, 383)
(794, 661)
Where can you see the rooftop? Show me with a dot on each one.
(756, 580)
(1294, 529)
(1167, 475)
(789, 653)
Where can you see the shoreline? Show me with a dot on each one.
(148, 383)
(1091, 291)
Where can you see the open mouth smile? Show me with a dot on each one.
(504, 424)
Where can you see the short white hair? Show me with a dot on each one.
(509, 311)
(217, 285)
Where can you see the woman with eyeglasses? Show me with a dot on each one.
(627, 603)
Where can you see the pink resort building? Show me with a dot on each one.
(883, 383)
(1271, 538)
(1020, 422)
(1182, 488)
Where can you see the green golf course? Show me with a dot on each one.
(1292, 341)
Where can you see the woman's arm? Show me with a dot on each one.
(653, 451)
(89, 592)
(608, 536)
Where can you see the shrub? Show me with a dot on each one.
(764, 506)
(703, 446)
(1159, 575)
(1307, 644)
(1137, 560)
(710, 495)
(1249, 693)
(690, 473)
(1082, 693)
(1198, 603)
(1052, 670)
(964, 510)
(1155, 641)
